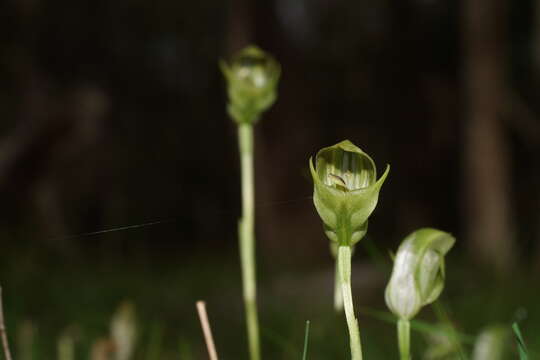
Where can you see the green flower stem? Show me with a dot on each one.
(246, 233)
(344, 264)
(338, 298)
(404, 339)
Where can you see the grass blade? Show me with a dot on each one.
(523, 354)
(442, 315)
(306, 339)
(417, 325)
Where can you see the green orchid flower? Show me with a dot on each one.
(252, 78)
(346, 191)
(419, 273)
(417, 279)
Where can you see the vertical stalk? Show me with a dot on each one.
(404, 339)
(246, 233)
(338, 298)
(344, 264)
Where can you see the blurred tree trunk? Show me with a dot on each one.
(535, 41)
(486, 162)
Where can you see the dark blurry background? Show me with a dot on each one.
(112, 113)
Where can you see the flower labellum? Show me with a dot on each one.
(252, 78)
(418, 274)
(346, 191)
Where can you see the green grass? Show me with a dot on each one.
(522, 349)
(53, 296)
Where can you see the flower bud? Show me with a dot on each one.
(418, 275)
(252, 78)
(492, 343)
(346, 191)
(124, 331)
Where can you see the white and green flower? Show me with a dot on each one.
(346, 191)
(418, 274)
(252, 78)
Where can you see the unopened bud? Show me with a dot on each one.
(418, 274)
(252, 78)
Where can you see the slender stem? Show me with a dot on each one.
(404, 339)
(3, 334)
(247, 238)
(344, 263)
(338, 298)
